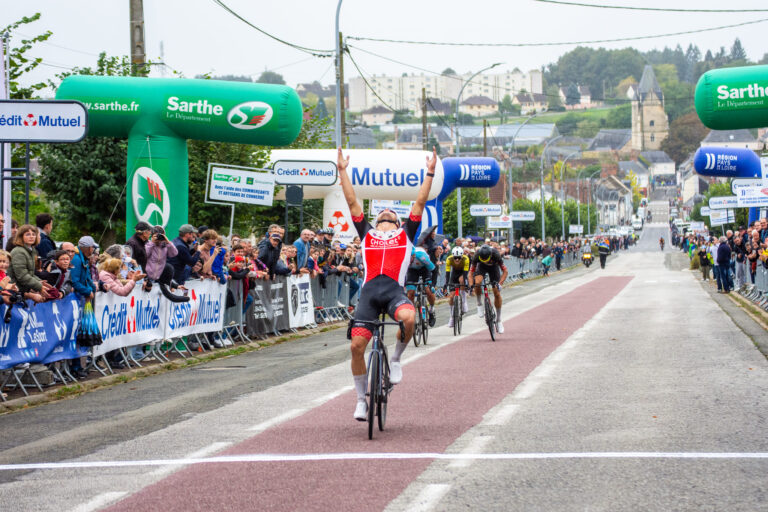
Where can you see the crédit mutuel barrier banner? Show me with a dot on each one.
(143, 317)
(40, 333)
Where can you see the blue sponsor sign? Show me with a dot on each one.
(727, 162)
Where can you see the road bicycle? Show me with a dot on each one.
(458, 307)
(379, 386)
(421, 305)
(490, 310)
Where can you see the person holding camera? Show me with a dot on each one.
(159, 248)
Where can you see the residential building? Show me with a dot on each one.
(531, 102)
(616, 141)
(732, 139)
(660, 166)
(585, 101)
(360, 137)
(376, 116)
(692, 185)
(404, 92)
(637, 169)
(479, 106)
(613, 201)
(650, 124)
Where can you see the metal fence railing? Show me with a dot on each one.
(755, 287)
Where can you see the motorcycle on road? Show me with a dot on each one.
(586, 259)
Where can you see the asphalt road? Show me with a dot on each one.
(626, 388)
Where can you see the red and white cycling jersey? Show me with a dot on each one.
(386, 252)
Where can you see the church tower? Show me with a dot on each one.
(650, 124)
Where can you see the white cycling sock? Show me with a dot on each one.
(498, 314)
(361, 385)
(479, 299)
(399, 349)
(464, 295)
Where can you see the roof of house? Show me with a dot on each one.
(527, 97)
(611, 139)
(361, 137)
(649, 85)
(583, 90)
(437, 105)
(378, 110)
(479, 101)
(656, 157)
(729, 136)
(632, 166)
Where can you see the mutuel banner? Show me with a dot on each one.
(203, 313)
(132, 320)
(40, 333)
(42, 121)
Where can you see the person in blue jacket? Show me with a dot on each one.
(421, 267)
(82, 284)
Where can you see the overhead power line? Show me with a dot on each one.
(311, 51)
(559, 43)
(657, 9)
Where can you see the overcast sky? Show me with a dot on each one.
(198, 36)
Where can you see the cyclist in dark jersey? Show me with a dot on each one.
(386, 252)
(488, 261)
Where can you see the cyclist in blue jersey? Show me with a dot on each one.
(421, 267)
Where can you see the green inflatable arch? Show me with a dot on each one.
(157, 116)
(733, 98)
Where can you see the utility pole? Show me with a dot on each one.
(342, 96)
(485, 138)
(138, 51)
(424, 118)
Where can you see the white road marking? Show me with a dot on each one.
(280, 418)
(203, 452)
(99, 501)
(526, 389)
(476, 445)
(428, 498)
(331, 396)
(503, 415)
(313, 457)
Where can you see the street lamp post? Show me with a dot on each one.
(512, 152)
(458, 100)
(541, 169)
(589, 201)
(562, 194)
(338, 78)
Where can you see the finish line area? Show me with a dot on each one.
(312, 457)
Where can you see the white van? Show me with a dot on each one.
(637, 224)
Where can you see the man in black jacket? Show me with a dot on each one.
(269, 252)
(44, 222)
(137, 243)
(185, 259)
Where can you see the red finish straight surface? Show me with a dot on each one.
(441, 397)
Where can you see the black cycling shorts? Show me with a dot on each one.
(380, 294)
(414, 274)
(454, 276)
(494, 272)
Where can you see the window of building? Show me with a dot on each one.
(653, 122)
(653, 137)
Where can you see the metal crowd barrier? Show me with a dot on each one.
(756, 291)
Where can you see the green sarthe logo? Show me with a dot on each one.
(250, 115)
(226, 177)
(150, 197)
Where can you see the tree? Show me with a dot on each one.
(566, 125)
(554, 104)
(20, 63)
(685, 136)
(572, 95)
(229, 78)
(448, 71)
(619, 117)
(506, 107)
(469, 196)
(737, 51)
(764, 60)
(678, 98)
(270, 77)
(320, 109)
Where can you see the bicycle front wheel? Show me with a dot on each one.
(383, 398)
(461, 312)
(456, 317)
(490, 318)
(417, 325)
(373, 390)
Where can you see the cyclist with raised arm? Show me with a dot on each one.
(488, 261)
(386, 253)
(661, 243)
(421, 267)
(457, 269)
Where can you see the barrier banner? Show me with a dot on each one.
(203, 313)
(279, 300)
(40, 333)
(258, 318)
(301, 311)
(135, 319)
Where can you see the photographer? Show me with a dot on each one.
(158, 250)
(138, 243)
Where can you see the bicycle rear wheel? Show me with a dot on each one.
(490, 318)
(424, 324)
(461, 312)
(383, 398)
(373, 390)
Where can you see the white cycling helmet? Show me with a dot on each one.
(457, 252)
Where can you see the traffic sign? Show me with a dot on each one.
(705, 211)
(485, 210)
(304, 172)
(42, 121)
(523, 215)
(720, 202)
(753, 197)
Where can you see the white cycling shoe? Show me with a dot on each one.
(361, 410)
(450, 322)
(480, 311)
(395, 372)
(499, 327)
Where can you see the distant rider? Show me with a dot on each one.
(488, 261)
(457, 268)
(421, 267)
